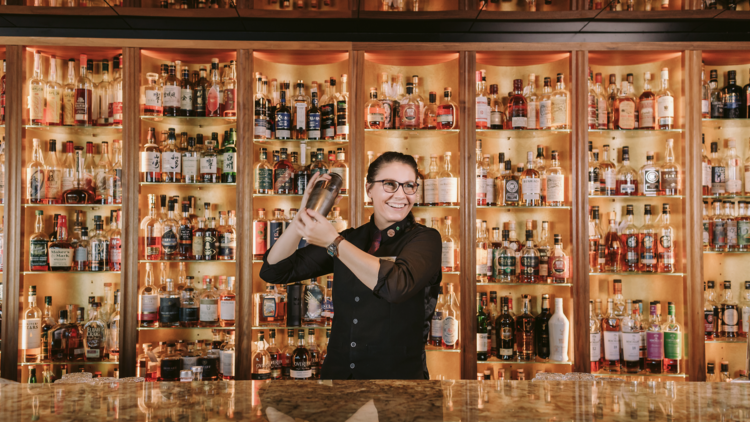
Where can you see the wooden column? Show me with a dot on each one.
(694, 329)
(131, 123)
(357, 169)
(580, 201)
(467, 229)
(12, 210)
(244, 252)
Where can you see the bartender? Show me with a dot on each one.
(387, 274)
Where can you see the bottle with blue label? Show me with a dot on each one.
(283, 119)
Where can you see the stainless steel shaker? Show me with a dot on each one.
(324, 194)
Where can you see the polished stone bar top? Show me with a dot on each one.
(289, 401)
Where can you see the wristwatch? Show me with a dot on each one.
(333, 248)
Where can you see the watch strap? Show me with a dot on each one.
(336, 243)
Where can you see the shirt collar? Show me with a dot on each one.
(392, 232)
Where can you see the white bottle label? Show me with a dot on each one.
(448, 256)
(190, 166)
(186, 99)
(300, 374)
(209, 310)
(172, 96)
(545, 114)
(734, 185)
(483, 117)
(436, 328)
(627, 115)
(482, 342)
(227, 310)
(480, 188)
(705, 107)
(532, 115)
(519, 122)
(450, 330)
(150, 161)
(153, 98)
(448, 189)
(481, 261)
(170, 162)
(746, 319)
(707, 175)
(31, 331)
(610, 179)
(559, 111)
(59, 257)
(227, 363)
(301, 120)
(208, 165)
(595, 342)
(531, 189)
(431, 191)
(229, 160)
(665, 107)
(612, 345)
(555, 188)
(149, 303)
(646, 114)
(747, 177)
(631, 346)
(489, 190)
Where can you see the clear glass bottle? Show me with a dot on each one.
(614, 248)
(447, 183)
(560, 105)
(627, 177)
(148, 301)
(209, 306)
(531, 184)
(647, 103)
(670, 179)
(518, 107)
(654, 341)
(611, 335)
(665, 248)
(451, 318)
(447, 111)
(649, 177)
(450, 248)
(375, 112)
(607, 175)
(95, 335)
(733, 169)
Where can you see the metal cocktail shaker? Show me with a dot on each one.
(324, 194)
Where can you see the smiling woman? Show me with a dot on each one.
(387, 274)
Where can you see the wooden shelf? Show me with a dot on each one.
(648, 375)
(527, 284)
(522, 362)
(71, 205)
(77, 130)
(638, 274)
(741, 340)
(69, 272)
(184, 328)
(215, 261)
(295, 143)
(75, 362)
(191, 121)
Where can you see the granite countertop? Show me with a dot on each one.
(288, 401)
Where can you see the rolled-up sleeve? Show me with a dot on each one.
(416, 266)
(308, 262)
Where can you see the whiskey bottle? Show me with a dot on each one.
(148, 302)
(744, 324)
(61, 251)
(560, 105)
(624, 109)
(481, 177)
(529, 260)
(627, 178)
(532, 101)
(339, 167)
(531, 184)
(260, 234)
(213, 90)
(614, 248)
(511, 187)
(261, 366)
(545, 105)
(84, 88)
(630, 243)
(482, 346)
(374, 112)
(654, 341)
(489, 187)
(447, 183)
(229, 93)
(35, 176)
(387, 103)
(342, 111)
(542, 330)
(447, 112)
(36, 93)
(436, 323)
(312, 306)
(481, 253)
(81, 252)
(732, 95)
(410, 115)
(596, 243)
(665, 247)
(95, 335)
(209, 305)
(227, 239)
(611, 331)
(607, 175)
(525, 332)
(53, 96)
(647, 105)
(504, 261)
(559, 263)
(38, 245)
(229, 159)
(631, 340)
(482, 104)
(275, 354)
(431, 187)
(595, 340)
(227, 301)
(592, 103)
(733, 169)
(647, 234)
(301, 361)
(451, 318)
(665, 103)
(517, 107)
(593, 167)
(718, 172)
(169, 306)
(151, 159)
(505, 326)
(555, 183)
(189, 304)
(729, 313)
(211, 241)
(545, 251)
(498, 119)
(672, 343)
(31, 330)
(314, 350)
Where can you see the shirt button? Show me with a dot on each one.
(351, 365)
(354, 344)
(355, 320)
(356, 298)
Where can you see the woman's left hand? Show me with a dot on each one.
(316, 229)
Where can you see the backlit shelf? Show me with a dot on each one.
(511, 134)
(564, 207)
(431, 206)
(75, 362)
(639, 274)
(191, 121)
(723, 197)
(77, 130)
(184, 328)
(524, 362)
(636, 197)
(305, 327)
(70, 205)
(438, 349)
(633, 134)
(741, 340)
(192, 261)
(527, 284)
(296, 142)
(645, 374)
(726, 123)
(408, 134)
(68, 272)
(186, 184)
(282, 195)
(726, 252)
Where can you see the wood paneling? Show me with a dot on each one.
(467, 194)
(12, 210)
(244, 251)
(356, 156)
(693, 329)
(131, 71)
(579, 175)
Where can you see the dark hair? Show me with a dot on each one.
(394, 157)
(388, 158)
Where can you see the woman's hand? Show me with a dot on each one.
(315, 228)
(310, 185)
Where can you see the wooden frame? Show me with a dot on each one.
(244, 270)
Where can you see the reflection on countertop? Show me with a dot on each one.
(282, 401)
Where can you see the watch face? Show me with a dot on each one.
(332, 249)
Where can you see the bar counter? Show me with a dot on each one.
(377, 400)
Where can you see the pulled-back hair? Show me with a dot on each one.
(388, 158)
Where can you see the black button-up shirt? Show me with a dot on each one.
(379, 333)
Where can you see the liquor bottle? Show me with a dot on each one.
(447, 111)
(718, 172)
(52, 182)
(169, 306)
(83, 96)
(665, 251)
(227, 240)
(429, 113)
(170, 235)
(670, 180)
(630, 243)
(672, 342)
(649, 177)
(624, 109)
(261, 111)
(447, 183)
(342, 111)
(529, 258)
(38, 245)
(607, 175)
(61, 251)
(481, 177)
(511, 186)
(517, 107)
(53, 96)
(410, 110)
(263, 174)
(328, 111)
(95, 335)
(301, 361)
(631, 340)
(601, 103)
(614, 248)
(36, 93)
(627, 178)
(733, 169)
(35, 176)
(545, 105)
(647, 104)
(209, 305)
(611, 96)
(665, 103)
(482, 341)
(339, 167)
(275, 356)
(209, 164)
(733, 99)
(482, 103)
(374, 112)
(151, 159)
(555, 183)
(559, 263)
(654, 342)
(709, 310)
(729, 313)
(261, 365)
(229, 94)
(436, 323)
(213, 91)
(148, 302)
(227, 301)
(312, 306)
(531, 184)
(229, 159)
(504, 262)
(482, 244)
(592, 99)
(170, 364)
(211, 241)
(505, 326)
(559, 328)
(596, 244)
(715, 97)
(31, 330)
(744, 324)
(451, 318)
(81, 252)
(431, 185)
(189, 304)
(593, 167)
(260, 234)
(559, 110)
(719, 228)
(525, 332)
(542, 331)
(595, 340)
(611, 330)
(319, 165)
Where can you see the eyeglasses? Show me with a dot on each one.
(391, 186)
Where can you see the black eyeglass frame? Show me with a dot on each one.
(400, 186)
